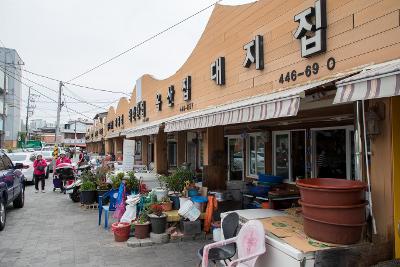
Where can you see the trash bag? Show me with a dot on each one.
(129, 214)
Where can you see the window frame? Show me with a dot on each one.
(248, 153)
(172, 140)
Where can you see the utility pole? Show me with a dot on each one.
(27, 114)
(75, 134)
(3, 136)
(58, 113)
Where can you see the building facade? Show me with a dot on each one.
(73, 133)
(10, 103)
(291, 88)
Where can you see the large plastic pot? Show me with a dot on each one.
(121, 231)
(343, 234)
(175, 201)
(331, 192)
(158, 223)
(161, 193)
(351, 214)
(88, 197)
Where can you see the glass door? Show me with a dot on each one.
(235, 158)
(333, 152)
(281, 155)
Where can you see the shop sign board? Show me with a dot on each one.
(312, 29)
(187, 88)
(218, 71)
(171, 96)
(158, 102)
(254, 53)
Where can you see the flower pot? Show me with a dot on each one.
(142, 231)
(167, 206)
(158, 223)
(121, 231)
(88, 197)
(175, 201)
(160, 193)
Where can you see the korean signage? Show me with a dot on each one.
(310, 30)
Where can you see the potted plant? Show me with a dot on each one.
(132, 183)
(88, 192)
(158, 219)
(142, 225)
(176, 183)
(115, 181)
(166, 204)
(161, 191)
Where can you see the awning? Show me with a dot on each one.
(144, 129)
(280, 104)
(377, 81)
(113, 135)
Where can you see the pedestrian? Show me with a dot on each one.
(39, 172)
(63, 159)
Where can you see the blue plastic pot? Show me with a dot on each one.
(192, 192)
(175, 202)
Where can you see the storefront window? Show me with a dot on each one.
(172, 153)
(255, 155)
(138, 150)
(282, 155)
(235, 153)
(201, 154)
(191, 149)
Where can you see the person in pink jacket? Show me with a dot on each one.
(39, 172)
(63, 159)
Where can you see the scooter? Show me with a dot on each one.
(73, 189)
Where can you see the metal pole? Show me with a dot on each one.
(3, 137)
(27, 115)
(58, 113)
(75, 134)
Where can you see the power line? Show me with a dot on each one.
(37, 91)
(142, 42)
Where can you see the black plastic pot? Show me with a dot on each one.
(158, 224)
(175, 201)
(88, 197)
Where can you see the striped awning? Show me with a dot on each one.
(114, 134)
(377, 81)
(144, 129)
(280, 104)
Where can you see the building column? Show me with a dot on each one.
(145, 148)
(181, 148)
(160, 153)
(215, 159)
(396, 171)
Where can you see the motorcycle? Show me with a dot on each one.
(73, 189)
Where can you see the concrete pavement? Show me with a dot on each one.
(51, 230)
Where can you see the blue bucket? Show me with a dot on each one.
(264, 178)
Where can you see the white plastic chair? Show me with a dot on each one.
(250, 243)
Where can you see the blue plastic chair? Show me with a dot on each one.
(112, 195)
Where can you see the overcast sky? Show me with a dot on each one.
(62, 39)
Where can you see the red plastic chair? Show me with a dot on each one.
(250, 243)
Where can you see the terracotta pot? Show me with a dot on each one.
(331, 192)
(142, 231)
(167, 206)
(343, 234)
(352, 214)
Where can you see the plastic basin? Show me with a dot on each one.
(343, 234)
(331, 192)
(121, 231)
(352, 214)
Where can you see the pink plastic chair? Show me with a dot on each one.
(250, 243)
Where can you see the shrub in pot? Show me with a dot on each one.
(142, 225)
(176, 183)
(161, 191)
(102, 188)
(88, 192)
(132, 183)
(157, 218)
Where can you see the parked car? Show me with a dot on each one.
(48, 156)
(12, 186)
(27, 160)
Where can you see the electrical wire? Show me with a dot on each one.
(143, 42)
(37, 91)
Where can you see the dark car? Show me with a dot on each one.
(12, 188)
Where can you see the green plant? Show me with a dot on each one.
(165, 199)
(88, 186)
(88, 176)
(121, 175)
(132, 183)
(143, 217)
(176, 181)
(161, 180)
(115, 181)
